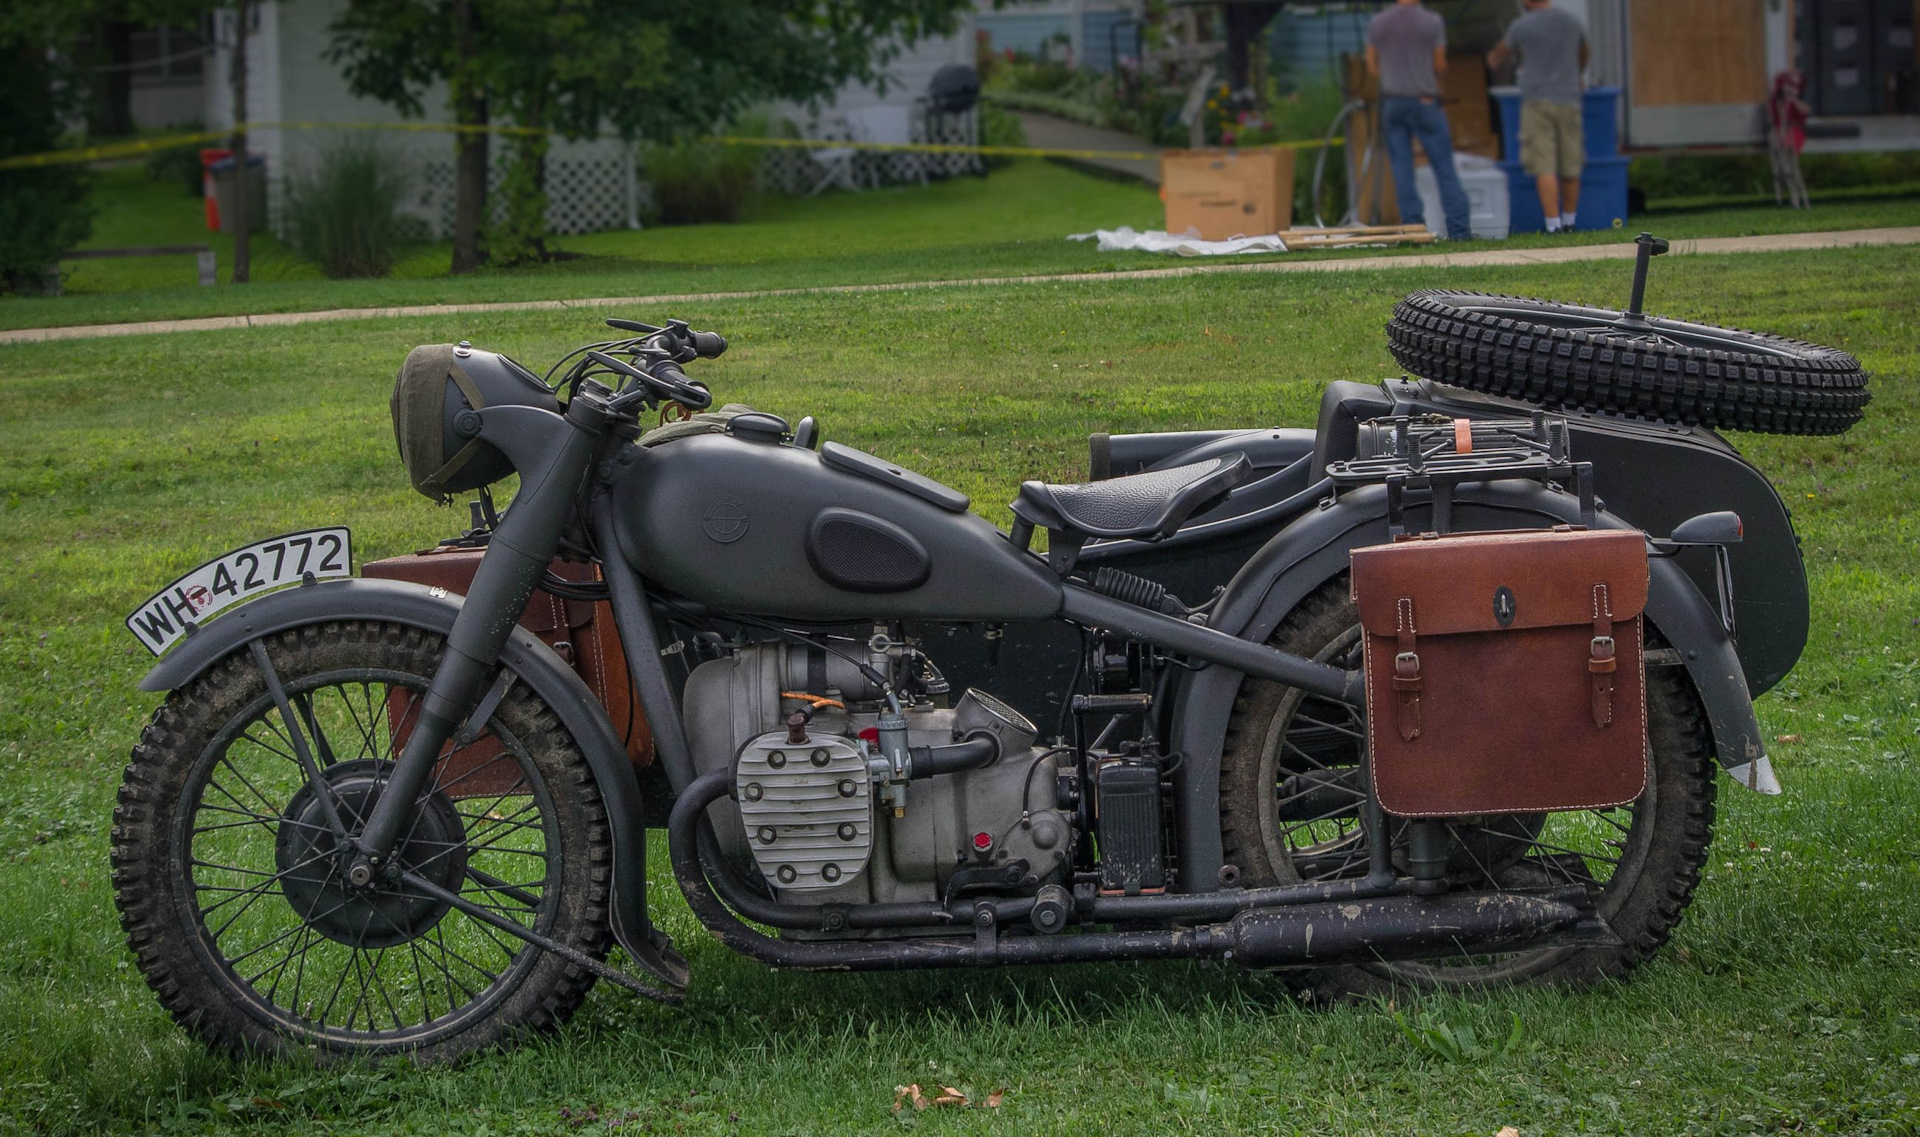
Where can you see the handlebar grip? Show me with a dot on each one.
(681, 389)
(709, 345)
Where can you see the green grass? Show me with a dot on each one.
(1788, 1002)
(1009, 224)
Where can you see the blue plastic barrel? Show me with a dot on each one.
(1603, 181)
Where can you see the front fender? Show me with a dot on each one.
(536, 665)
(1317, 547)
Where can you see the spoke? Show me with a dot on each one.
(1299, 716)
(307, 919)
(279, 970)
(339, 985)
(241, 806)
(1485, 872)
(264, 744)
(368, 748)
(261, 822)
(503, 755)
(440, 937)
(271, 876)
(323, 749)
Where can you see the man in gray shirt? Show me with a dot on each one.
(1552, 46)
(1407, 52)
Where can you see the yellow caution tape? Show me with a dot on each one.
(136, 147)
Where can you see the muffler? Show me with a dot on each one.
(1417, 927)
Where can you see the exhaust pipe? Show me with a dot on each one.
(1416, 927)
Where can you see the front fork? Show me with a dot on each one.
(553, 455)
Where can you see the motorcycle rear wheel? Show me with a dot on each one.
(235, 900)
(1569, 355)
(1641, 862)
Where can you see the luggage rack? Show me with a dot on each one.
(1437, 453)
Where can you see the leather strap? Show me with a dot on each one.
(1600, 658)
(465, 454)
(1406, 671)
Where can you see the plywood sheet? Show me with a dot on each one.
(1694, 52)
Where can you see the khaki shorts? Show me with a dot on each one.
(1551, 140)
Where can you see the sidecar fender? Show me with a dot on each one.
(536, 665)
(1315, 548)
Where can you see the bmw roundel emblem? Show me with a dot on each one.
(725, 519)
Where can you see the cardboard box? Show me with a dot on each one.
(1227, 193)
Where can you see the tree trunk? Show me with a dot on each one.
(470, 147)
(110, 102)
(241, 220)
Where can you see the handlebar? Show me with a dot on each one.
(656, 355)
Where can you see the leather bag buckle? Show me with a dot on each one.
(1601, 661)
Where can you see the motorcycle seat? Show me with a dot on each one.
(1149, 505)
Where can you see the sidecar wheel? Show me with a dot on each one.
(1290, 793)
(236, 900)
(1567, 355)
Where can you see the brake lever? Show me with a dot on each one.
(631, 326)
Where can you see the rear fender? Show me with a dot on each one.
(536, 665)
(1316, 548)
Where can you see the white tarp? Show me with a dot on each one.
(1186, 244)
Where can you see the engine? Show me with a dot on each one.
(839, 799)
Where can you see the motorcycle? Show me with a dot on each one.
(373, 817)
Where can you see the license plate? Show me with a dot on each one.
(232, 577)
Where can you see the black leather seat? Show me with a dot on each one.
(1150, 506)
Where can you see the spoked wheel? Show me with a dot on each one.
(1568, 355)
(235, 888)
(1293, 782)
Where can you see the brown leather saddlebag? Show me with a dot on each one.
(1503, 670)
(582, 633)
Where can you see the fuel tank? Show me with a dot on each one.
(773, 529)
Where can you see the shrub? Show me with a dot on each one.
(179, 165)
(344, 215)
(1000, 127)
(696, 182)
(45, 211)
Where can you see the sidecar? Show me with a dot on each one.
(1654, 475)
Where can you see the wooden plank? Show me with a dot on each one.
(132, 251)
(1697, 52)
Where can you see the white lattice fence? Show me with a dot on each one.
(597, 189)
(600, 187)
(790, 170)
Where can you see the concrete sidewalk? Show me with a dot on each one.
(1048, 132)
(1622, 250)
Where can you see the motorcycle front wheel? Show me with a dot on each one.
(233, 889)
(1292, 784)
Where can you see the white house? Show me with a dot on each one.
(591, 184)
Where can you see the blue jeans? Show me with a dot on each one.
(1402, 120)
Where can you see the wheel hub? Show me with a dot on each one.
(336, 891)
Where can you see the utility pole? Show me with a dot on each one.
(241, 214)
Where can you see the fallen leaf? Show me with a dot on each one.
(903, 1094)
(1507, 1131)
(1788, 738)
(995, 1098)
(950, 1096)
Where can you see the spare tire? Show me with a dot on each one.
(1565, 355)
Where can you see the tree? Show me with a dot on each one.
(661, 69)
(43, 211)
(392, 50)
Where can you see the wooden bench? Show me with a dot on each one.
(202, 253)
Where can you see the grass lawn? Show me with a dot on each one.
(1011, 223)
(1788, 1002)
